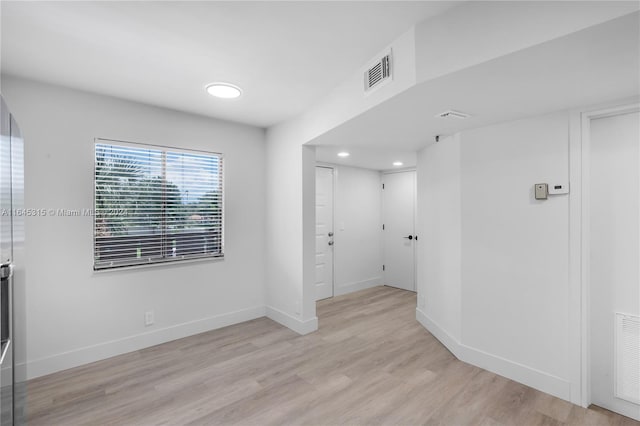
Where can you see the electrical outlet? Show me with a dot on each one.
(148, 318)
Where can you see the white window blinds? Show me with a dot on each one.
(155, 204)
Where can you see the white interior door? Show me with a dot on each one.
(324, 232)
(399, 238)
(614, 258)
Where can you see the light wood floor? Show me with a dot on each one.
(370, 363)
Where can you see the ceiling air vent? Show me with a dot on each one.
(453, 114)
(378, 72)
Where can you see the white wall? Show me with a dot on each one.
(515, 249)
(290, 233)
(418, 56)
(290, 165)
(349, 99)
(357, 227)
(76, 315)
(464, 36)
(438, 257)
(450, 42)
(513, 298)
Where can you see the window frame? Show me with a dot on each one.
(163, 260)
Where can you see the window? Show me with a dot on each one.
(155, 204)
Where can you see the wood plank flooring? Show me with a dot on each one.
(369, 363)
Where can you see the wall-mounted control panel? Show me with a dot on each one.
(557, 189)
(541, 191)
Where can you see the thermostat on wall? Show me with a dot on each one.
(557, 188)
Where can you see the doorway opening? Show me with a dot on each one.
(364, 229)
(398, 229)
(324, 232)
(610, 252)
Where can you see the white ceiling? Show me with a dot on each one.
(375, 158)
(285, 55)
(593, 66)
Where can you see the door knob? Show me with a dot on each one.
(330, 243)
(409, 237)
(330, 234)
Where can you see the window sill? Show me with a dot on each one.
(160, 265)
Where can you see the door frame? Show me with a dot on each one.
(581, 264)
(334, 174)
(415, 219)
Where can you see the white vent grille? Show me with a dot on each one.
(378, 73)
(453, 114)
(627, 365)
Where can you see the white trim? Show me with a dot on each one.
(328, 165)
(536, 379)
(292, 323)
(415, 232)
(334, 178)
(449, 341)
(339, 290)
(402, 170)
(146, 145)
(100, 351)
(585, 148)
(575, 257)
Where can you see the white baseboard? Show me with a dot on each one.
(623, 407)
(293, 323)
(339, 290)
(88, 354)
(449, 341)
(536, 379)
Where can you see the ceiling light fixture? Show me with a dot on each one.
(224, 90)
(397, 163)
(343, 154)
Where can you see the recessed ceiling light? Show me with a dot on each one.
(343, 154)
(397, 163)
(224, 90)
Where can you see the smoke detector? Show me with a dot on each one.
(453, 114)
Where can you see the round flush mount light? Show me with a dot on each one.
(397, 163)
(224, 90)
(343, 154)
